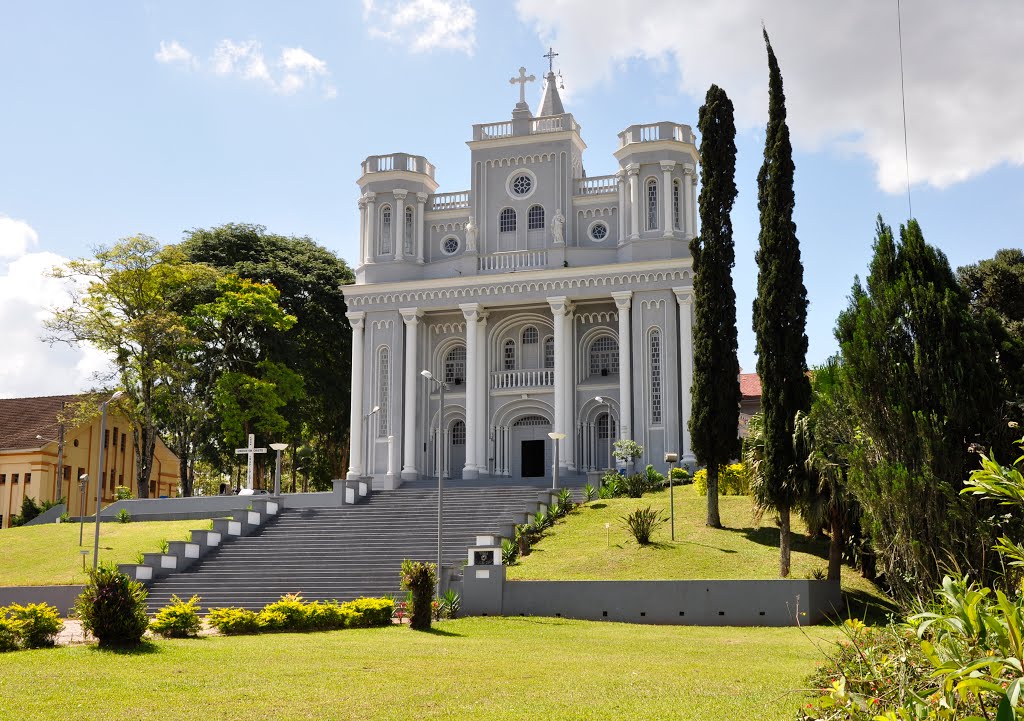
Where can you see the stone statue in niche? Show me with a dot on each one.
(471, 236)
(558, 228)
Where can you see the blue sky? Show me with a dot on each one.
(157, 117)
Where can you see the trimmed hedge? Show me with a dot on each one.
(732, 481)
(292, 613)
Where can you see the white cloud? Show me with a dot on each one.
(423, 25)
(16, 237)
(294, 70)
(174, 52)
(840, 65)
(28, 366)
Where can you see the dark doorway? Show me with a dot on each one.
(533, 459)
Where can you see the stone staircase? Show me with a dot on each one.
(348, 551)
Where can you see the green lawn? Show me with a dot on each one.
(580, 548)
(48, 555)
(476, 668)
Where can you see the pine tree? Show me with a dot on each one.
(780, 316)
(716, 388)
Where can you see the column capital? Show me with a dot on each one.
(689, 171)
(411, 316)
(623, 299)
(684, 296)
(471, 311)
(620, 173)
(421, 197)
(633, 169)
(355, 319)
(560, 304)
(362, 202)
(400, 193)
(668, 165)
(370, 196)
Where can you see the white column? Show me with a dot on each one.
(620, 184)
(411, 316)
(689, 219)
(371, 226)
(421, 198)
(633, 169)
(506, 443)
(355, 427)
(398, 223)
(391, 459)
(666, 196)
(483, 389)
(569, 378)
(623, 302)
(471, 311)
(362, 230)
(684, 297)
(558, 309)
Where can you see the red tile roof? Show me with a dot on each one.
(22, 419)
(750, 385)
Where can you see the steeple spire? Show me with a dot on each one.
(551, 103)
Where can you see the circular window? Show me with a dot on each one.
(521, 184)
(450, 245)
(598, 231)
(76, 443)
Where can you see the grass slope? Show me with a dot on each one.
(475, 668)
(48, 555)
(580, 548)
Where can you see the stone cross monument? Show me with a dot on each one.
(250, 451)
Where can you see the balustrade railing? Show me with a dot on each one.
(598, 185)
(398, 161)
(528, 126)
(536, 378)
(449, 201)
(490, 131)
(512, 260)
(656, 131)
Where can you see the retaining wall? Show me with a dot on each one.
(173, 509)
(63, 597)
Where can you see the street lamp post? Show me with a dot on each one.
(277, 469)
(99, 476)
(83, 487)
(608, 409)
(440, 472)
(556, 437)
(670, 459)
(366, 439)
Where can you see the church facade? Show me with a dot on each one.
(545, 300)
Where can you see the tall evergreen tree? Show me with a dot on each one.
(716, 386)
(780, 316)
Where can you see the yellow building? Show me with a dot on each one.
(29, 440)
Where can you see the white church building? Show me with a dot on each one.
(546, 300)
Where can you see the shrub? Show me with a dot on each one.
(40, 623)
(178, 619)
(272, 619)
(289, 612)
(123, 516)
(681, 475)
(123, 493)
(420, 578)
(328, 616)
(654, 479)
(635, 485)
(589, 493)
(450, 604)
(732, 481)
(565, 503)
(113, 607)
(370, 612)
(234, 621)
(611, 485)
(10, 632)
(164, 546)
(643, 522)
(509, 552)
(65, 517)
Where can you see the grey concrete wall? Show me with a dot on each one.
(170, 509)
(700, 603)
(48, 516)
(63, 597)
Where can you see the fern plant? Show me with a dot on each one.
(642, 523)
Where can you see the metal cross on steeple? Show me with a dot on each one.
(551, 55)
(523, 79)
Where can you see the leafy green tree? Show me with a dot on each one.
(123, 303)
(780, 317)
(923, 387)
(716, 368)
(317, 347)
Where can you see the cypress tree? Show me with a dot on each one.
(716, 387)
(780, 316)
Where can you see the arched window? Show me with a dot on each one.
(604, 356)
(605, 432)
(654, 349)
(652, 204)
(507, 221)
(407, 239)
(384, 237)
(530, 335)
(535, 218)
(549, 352)
(383, 390)
(455, 365)
(508, 356)
(458, 433)
(677, 213)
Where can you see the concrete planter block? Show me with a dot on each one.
(507, 530)
(187, 553)
(521, 518)
(488, 540)
(137, 571)
(267, 508)
(227, 528)
(162, 564)
(250, 521)
(206, 540)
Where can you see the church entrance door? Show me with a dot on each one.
(533, 459)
